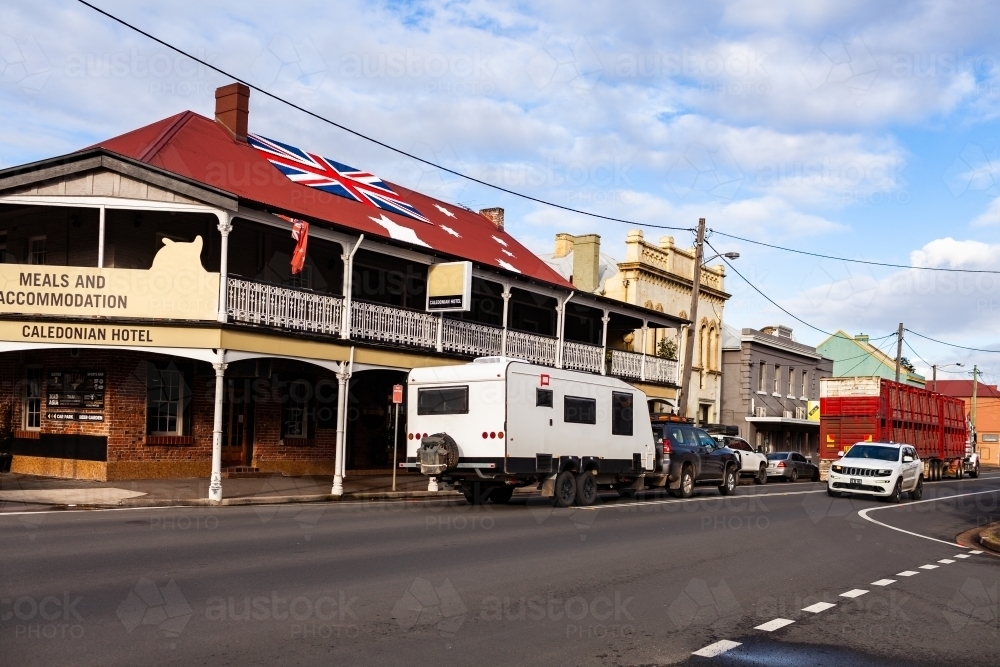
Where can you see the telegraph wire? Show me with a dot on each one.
(366, 137)
(871, 353)
(961, 347)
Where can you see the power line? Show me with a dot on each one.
(961, 347)
(870, 353)
(855, 261)
(366, 137)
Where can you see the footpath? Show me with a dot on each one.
(19, 492)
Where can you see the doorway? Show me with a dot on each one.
(370, 421)
(237, 423)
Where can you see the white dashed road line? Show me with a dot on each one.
(718, 648)
(853, 593)
(961, 555)
(818, 607)
(883, 582)
(977, 552)
(928, 567)
(771, 626)
(946, 561)
(907, 573)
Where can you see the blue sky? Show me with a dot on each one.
(856, 129)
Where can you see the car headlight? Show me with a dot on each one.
(838, 468)
(883, 473)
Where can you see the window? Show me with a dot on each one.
(296, 411)
(776, 385)
(3, 247)
(36, 250)
(32, 405)
(543, 398)
(791, 381)
(621, 413)
(167, 398)
(443, 401)
(761, 377)
(805, 384)
(704, 412)
(578, 410)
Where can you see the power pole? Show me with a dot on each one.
(699, 253)
(975, 387)
(934, 377)
(899, 348)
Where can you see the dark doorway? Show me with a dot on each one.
(237, 423)
(370, 420)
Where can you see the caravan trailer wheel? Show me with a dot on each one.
(586, 489)
(565, 490)
(501, 494)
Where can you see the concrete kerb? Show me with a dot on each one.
(983, 537)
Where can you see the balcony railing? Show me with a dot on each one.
(471, 339)
(284, 307)
(654, 369)
(376, 321)
(582, 357)
(297, 309)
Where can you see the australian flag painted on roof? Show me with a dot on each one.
(333, 177)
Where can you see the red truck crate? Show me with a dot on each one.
(873, 409)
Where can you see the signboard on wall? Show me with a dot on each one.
(449, 287)
(812, 410)
(176, 287)
(68, 392)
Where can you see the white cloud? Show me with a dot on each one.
(989, 217)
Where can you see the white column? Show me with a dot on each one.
(561, 328)
(215, 485)
(604, 341)
(440, 333)
(343, 386)
(348, 284)
(506, 298)
(100, 238)
(642, 362)
(225, 226)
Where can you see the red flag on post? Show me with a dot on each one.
(300, 233)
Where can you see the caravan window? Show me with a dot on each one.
(543, 398)
(621, 413)
(578, 410)
(443, 401)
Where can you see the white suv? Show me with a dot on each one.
(753, 463)
(879, 469)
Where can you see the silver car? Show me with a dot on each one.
(791, 467)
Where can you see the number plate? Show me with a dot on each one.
(856, 481)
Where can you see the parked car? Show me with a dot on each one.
(693, 457)
(882, 470)
(753, 462)
(791, 467)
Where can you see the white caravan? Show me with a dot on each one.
(495, 424)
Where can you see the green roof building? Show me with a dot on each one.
(855, 356)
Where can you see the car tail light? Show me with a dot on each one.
(666, 448)
(781, 464)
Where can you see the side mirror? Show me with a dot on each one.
(907, 459)
(841, 453)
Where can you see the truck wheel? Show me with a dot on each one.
(761, 477)
(501, 494)
(896, 491)
(728, 482)
(586, 489)
(687, 483)
(974, 472)
(565, 490)
(960, 470)
(795, 475)
(918, 491)
(935, 471)
(475, 494)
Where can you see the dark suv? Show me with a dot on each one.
(691, 456)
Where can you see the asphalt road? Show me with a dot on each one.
(647, 581)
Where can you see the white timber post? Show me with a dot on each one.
(604, 342)
(225, 226)
(503, 336)
(215, 485)
(100, 238)
(642, 362)
(440, 333)
(343, 386)
(348, 284)
(561, 325)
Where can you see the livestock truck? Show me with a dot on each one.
(496, 424)
(874, 409)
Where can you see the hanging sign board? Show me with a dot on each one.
(449, 287)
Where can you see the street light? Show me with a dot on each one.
(727, 255)
(934, 368)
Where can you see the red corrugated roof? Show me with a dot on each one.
(199, 149)
(963, 389)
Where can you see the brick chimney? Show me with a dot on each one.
(564, 245)
(232, 109)
(494, 215)
(586, 262)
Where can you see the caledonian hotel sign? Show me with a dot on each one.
(176, 287)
